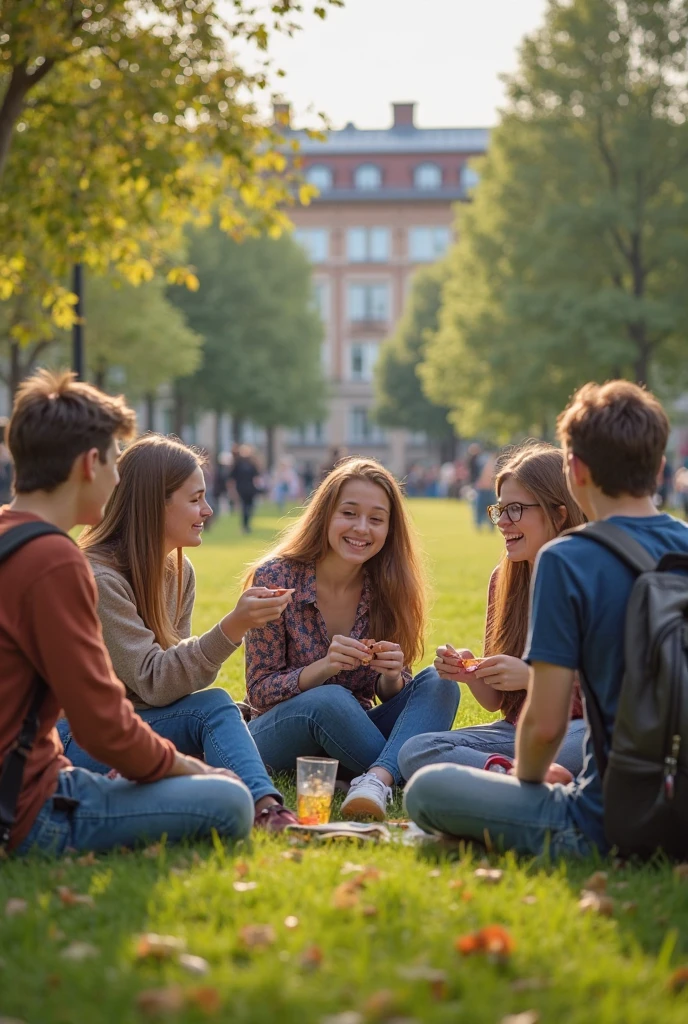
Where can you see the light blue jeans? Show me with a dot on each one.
(207, 725)
(329, 721)
(497, 810)
(92, 812)
(472, 746)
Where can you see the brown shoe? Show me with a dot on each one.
(275, 818)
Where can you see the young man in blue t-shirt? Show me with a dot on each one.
(614, 438)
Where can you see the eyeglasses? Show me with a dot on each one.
(514, 511)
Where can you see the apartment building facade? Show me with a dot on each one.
(385, 208)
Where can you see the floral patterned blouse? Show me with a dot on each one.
(277, 652)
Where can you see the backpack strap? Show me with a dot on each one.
(12, 773)
(617, 540)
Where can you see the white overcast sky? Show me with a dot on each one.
(444, 54)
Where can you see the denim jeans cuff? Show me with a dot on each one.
(392, 768)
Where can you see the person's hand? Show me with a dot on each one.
(557, 773)
(345, 654)
(255, 608)
(388, 660)
(184, 764)
(449, 661)
(502, 672)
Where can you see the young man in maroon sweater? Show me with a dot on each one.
(63, 439)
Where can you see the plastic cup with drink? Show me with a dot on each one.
(315, 778)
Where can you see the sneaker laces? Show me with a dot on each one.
(370, 777)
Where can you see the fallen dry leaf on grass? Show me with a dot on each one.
(456, 883)
(493, 940)
(14, 907)
(435, 873)
(381, 1005)
(244, 886)
(346, 896)
(291, 922)
(679, 979)
(158, 947)
(155, 1002)
(369, 910)
(491, 875)
(681, 872)
(596, 883)
(78, 951)
(11, 1020)
(527, 1017)
(349, 868)
(436, 979)
(295, 855)
(257, 936)
(348, 1017)
(241, 868)
(193, 964)
(88, 860)
(205, 997)
(69, 898)
(530, 900)
(312, 958)
(596, 903)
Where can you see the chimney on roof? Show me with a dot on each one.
(281, 114)
(403, 115)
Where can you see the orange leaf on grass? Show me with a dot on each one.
(205, 997)
(257, 936)
(69, 898)
(493, 940)
(241, 868)
(681, 872)
(596, 903)
(679, 979)
(155, 1002)
(345, 896)
(158, 947)
(597, 882)
(381, 1005)
(312, 958)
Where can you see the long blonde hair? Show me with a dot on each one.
(538, 467)
(398, 601)
(131, 535)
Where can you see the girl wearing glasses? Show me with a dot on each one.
(534, 506)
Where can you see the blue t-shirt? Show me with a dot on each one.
(577, 617)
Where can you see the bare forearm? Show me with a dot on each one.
(534, 751)
(387, 688)
(486, 696)
(315, 674)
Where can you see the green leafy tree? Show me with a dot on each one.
(401, 401)
(262, 336)
(120, 120)
(571, 261)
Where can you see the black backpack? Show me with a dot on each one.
(645, 776)
(15, 760)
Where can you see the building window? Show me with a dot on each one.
(315, 242)
(368, 245)
(311, 433)
(368, 303)
(468, 177)
(320, 176)
(320, 297)
(362, 429)
(362, 358)
(427, 176)
(428, 244)
(367, 176)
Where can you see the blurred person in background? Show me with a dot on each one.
(681, 488)
(245, 473)
(286, 484)
(484, 488)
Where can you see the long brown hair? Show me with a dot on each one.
(538, 467)
(131, 535)
(398, 602)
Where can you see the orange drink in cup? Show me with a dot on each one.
(315, 778)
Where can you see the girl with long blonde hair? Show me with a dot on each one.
(146, 591)
(350, 635)
(534, 506)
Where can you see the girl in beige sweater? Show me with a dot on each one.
(146, 591)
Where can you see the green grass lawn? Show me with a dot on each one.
(382, 951)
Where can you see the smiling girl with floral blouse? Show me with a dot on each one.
(354, 627)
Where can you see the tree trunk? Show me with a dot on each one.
(150, 410)
(237, 429)
(16, 373)
(643, 347)
(178, 412)
(270, 447)
(20, 84)
(217, 435)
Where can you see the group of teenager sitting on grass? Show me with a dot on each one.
(132, 740)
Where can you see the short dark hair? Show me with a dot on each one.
(55, 419)
(619, 430)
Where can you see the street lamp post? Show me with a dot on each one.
(78, 329)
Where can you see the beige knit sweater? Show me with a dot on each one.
(155, 677)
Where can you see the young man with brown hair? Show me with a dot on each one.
(614, 438)
(63, 439)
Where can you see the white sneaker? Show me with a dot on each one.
(367, 798)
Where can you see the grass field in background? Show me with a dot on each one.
(384, 951)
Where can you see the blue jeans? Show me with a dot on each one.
(92, 812)
(481, 501)
(207, 725)
(497, 810)
(472, 747)
(329, 720)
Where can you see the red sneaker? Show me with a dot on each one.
(275, 818)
